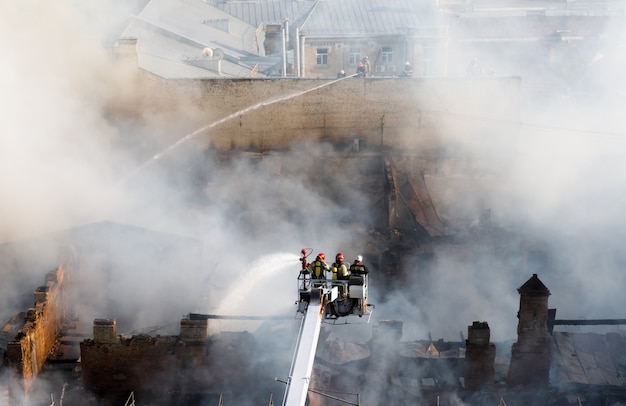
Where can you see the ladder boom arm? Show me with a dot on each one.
(300, 377)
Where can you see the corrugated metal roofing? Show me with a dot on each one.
(334, 17)
(264, 11)
(366, 18)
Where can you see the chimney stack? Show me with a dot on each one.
(480, 357)
(194, 329)
(530, 355)
(105, 331)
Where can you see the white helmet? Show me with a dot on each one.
(359, 258)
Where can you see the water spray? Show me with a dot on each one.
(223, 120)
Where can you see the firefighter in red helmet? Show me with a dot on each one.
(340, 268)
(319, 267)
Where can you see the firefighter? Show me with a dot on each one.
(408, 70)
(341, 272)
(360, 69)
(367, 66)
(319, 267)
(340, 268)
(358, 268)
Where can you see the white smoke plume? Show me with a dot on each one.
(556, 180)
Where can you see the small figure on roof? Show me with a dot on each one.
(407, 72)
(367, 65)
(360, 69)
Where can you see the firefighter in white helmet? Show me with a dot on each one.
(357, 267)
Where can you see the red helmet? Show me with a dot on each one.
(321, 256)
(339, 257)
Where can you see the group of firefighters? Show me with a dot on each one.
(340, 269)
(363, 69)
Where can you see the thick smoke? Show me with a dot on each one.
(554, 184)
(155, 241)
(553, 187)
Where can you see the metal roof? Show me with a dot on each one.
(265, 11)
(333, 18)
(365, 18)
(534, 287)
(171, 35)
(589, 359)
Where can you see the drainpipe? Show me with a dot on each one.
(284, 54)
(297, 49)
(284, 50)
(303, 64)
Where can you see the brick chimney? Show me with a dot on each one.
(194, 329)
(530, 356)
(105, 331)
(480, 357)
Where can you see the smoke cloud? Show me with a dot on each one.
(553, 184)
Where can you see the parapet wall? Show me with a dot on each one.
(404, 114)
(193, 362)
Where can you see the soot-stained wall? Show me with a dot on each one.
(161, 367)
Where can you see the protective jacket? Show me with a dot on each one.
(318, 269)
(340, 271)
(358, 269)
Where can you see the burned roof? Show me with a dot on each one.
(589, 359)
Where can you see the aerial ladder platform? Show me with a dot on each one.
(319, 300)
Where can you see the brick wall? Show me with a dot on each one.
(480, 357)
(28, 351)
(193, 362)
(414, 114)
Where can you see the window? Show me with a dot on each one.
(355, 55)
(386, 55)
(428, 59)
(322, 56)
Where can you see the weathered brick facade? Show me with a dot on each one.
(28, 351)
(530, 355)
(161, 366)
(480, 357)
(407, 114)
